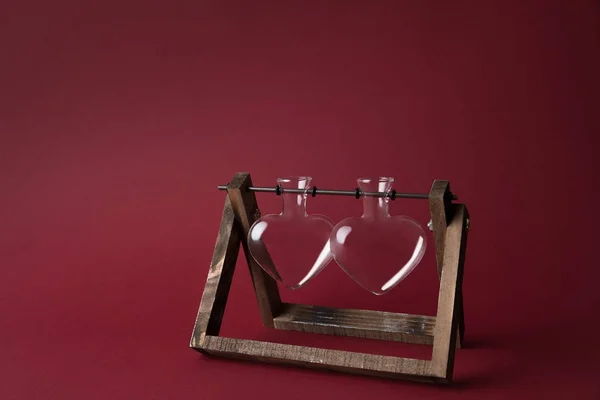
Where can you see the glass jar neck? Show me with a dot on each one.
(375, 207)
(294, 204)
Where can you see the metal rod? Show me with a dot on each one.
(331, 192)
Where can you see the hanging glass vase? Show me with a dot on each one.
(292, 247)
(378, 250)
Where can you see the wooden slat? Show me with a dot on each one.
(369, 324)
(440, 207)
(220, 275)
(447, 317)
(439, 202)
(246, 209)
(335, 360)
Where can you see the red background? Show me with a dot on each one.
(118, 119)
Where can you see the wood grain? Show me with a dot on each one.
(316, 358)
(440, 208)
(220, 275)
(369, 324)
(445, 332)
(246, 210)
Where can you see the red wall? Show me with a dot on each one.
(118, 119)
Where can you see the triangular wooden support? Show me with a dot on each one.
(444, 331)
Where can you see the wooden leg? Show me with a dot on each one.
(220, 275)
(440, 207)
(447, 320)
(245, 207)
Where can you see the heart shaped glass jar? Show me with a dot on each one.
(292, 247)
(378, 250)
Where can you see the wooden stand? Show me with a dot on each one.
(444, 331)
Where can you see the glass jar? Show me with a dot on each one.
(377, 250)
(292, 247)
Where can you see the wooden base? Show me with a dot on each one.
(444, 331)
(357, 323)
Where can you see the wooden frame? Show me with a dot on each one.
(444, 331)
